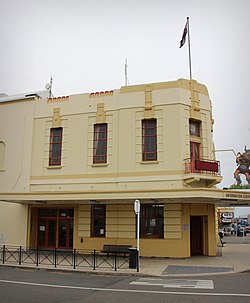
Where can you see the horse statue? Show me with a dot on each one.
(243, 162)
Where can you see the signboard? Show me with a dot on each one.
(137, 206)
(227, 215)
(206, 165)
(226, 220)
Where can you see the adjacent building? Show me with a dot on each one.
(72, 167)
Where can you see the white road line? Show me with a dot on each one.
(175, 283)
(124, 290)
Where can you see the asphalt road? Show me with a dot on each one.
(20, 285)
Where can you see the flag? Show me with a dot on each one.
(183, 39)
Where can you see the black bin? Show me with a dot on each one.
(133, 257)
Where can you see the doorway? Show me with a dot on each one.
(55, 228)
(196, 235)
(194, 155)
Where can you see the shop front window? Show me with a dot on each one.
(152, 221)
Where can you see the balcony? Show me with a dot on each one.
(202, 172)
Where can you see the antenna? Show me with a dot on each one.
(48, 86)
(51, 81)
(126, 73)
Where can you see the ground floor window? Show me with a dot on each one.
(152, 221)
(98, 220)
(55, 228)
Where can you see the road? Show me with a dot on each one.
(19, 285)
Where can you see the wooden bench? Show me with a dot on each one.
(112, 249)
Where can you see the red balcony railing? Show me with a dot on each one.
(202, 166)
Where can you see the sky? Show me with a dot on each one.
(83, 45)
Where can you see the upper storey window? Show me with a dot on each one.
(100, 143)
(55, 151)
(194, 128)
(149, 140)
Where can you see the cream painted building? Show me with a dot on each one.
(78, 163)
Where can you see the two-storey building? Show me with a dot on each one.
(85, 159)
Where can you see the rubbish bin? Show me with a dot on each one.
(133, 257)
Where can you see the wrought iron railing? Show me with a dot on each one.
(93, 259)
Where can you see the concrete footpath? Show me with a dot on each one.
(233, 257)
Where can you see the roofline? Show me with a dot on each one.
(24, 96)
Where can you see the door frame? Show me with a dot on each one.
(198, 235)
(69, 230)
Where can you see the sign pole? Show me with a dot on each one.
(137, 211)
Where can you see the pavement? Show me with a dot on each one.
(233, 257)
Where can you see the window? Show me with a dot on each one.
(152, 221)
(55, 150)
(100, 143)
(98, 220)
(149, 140)
(194, 128)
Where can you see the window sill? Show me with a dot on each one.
(54, 166)
(149, 162)
(99, 164)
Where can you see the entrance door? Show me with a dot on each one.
(65, 233)
(46, 233)
(196, 235)
(55, 228)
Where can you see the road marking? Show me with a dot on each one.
(175, 283)
(125, 290)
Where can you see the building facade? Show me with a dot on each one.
(77, 163)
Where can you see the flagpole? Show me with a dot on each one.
(189, 50)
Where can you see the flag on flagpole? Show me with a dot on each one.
(183, 39)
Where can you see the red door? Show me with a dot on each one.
(194, 154)
(65, 233)
(55, 228)
(46, 233)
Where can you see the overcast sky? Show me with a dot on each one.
(83, 45)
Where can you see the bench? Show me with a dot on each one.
(112, 249)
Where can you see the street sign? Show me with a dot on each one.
(137, 206)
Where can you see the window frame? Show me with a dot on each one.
(149, 140)
(100, 139)
(156, 222)
(55, 147)
(195, 154)
(196, 125)
(98, 216)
